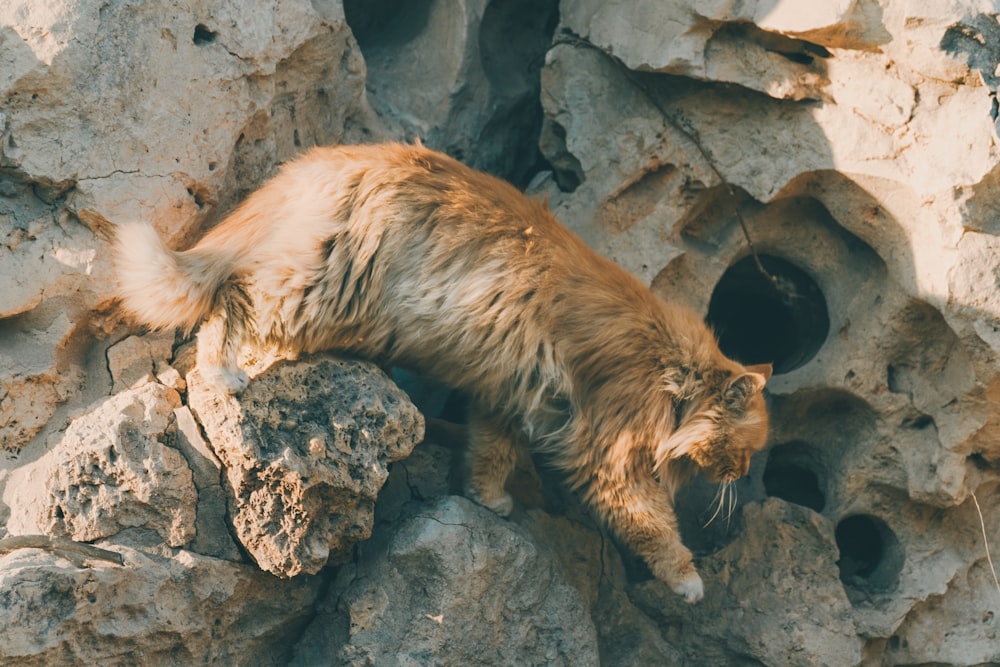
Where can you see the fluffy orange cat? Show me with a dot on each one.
(406, 256)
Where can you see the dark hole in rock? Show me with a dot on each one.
(758, 320)
(792, 476)
(386, 23)
(871, 556)
(203, 35)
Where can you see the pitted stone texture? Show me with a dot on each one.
(461, 75)
(453, 584)
(880, 190)
(112, 470)
(138, 359)
(111, 112)
(37, 370)
(305, 450)
(185, 609)
(772, 596)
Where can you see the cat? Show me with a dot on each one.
(405, 256)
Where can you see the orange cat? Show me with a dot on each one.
(406, 256)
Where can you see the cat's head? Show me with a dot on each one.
(720, 422)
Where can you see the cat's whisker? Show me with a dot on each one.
(732, 504)
(718, 501)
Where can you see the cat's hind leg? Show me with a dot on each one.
(220, 338)
(491, 458)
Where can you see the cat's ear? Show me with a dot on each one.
(743, 386)
(761, 369)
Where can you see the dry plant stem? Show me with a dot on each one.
(986, 543)
(634, 80)
(78, 552)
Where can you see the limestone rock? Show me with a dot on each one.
(112, 470)
(185, 609)
(112, 113)
(854, 142)
(37, 370)
(453, 584)
(305, 450)
(774, 595)
(461, 75)
(138, 359)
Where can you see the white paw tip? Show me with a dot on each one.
(503, 505)
(692, 588)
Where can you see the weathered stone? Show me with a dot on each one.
(37, 371)
(113, 113)
(138, 359)
(461, 75)
(305, 450)
(212, 536)
(891, 410)
(183, 609)
(773, 595)
(453, 584)
(113, 469)
(856, 141)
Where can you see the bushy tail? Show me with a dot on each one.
(161, 287)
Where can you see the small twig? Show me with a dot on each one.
(78, 552)
(986, 542)
(576, 40)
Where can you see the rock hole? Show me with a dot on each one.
(791, 474)
(784, 322)
(384, 23)
(871, 557)
(203, 36)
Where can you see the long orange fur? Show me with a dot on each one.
(404, 255)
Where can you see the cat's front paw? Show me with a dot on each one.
(691, 587)
(225, 380)
(502, 505)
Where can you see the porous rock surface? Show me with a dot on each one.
(407, 599)
(855, 144)
(305, 449)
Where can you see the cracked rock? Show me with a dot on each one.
(453, 584)
(305, 450)
(185, 609)
(113, 469)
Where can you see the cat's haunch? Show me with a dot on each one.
(406, 256)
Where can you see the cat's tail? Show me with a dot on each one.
(162, 287)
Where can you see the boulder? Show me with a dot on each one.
(114, 469)
(451, 584)
(181, 608)
(305, 449)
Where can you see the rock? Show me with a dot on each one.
(138, 359)
(183, 609)
(37, 371)
(113, 469)
(183, 111)
(593, 566)
(852, 145)
(305, 450)
(452, 584)
(461, 76)
(773, 596)
(886, 342)
(212, 536)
